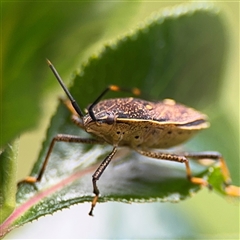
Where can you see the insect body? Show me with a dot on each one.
(140, 125)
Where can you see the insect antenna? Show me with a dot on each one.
(73, 101)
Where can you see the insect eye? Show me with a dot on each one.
(110, 119)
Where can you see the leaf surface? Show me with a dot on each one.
(8, 188)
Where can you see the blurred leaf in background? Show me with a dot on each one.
(46, 31)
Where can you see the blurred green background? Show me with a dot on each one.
(68, 33)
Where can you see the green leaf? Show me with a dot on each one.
(46, 32)
(173, 54)
(8, 189)
(170, 55)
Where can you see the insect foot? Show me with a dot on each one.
(28, 179)
(95, 199)
(232, 191)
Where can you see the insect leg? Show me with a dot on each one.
(69, 106)
(97, 175)
(183, 158)
(175, 158)
(229, 189)
(75, 117)
(58, 138)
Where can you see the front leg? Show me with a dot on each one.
(97, 175)
(58, 138)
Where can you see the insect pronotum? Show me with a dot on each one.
(140, 125)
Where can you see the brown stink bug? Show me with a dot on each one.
(140, 125)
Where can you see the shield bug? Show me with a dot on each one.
(140, 125)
